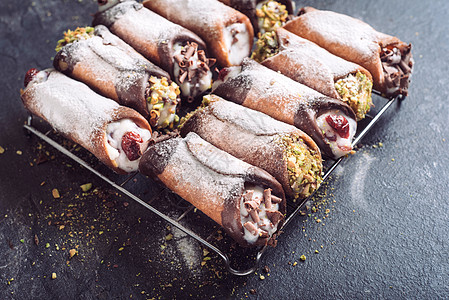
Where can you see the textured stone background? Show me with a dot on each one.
(385, 234)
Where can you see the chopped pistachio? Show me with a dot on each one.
(302, 257)
(271, 15)
(266, 46)
(80, 33)
(55, 193)
(86, 187)
(2, 150)
(355, 90)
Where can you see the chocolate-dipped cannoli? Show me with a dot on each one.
(227, 32)
(245, 200)
(116, 135)
(388, 59)
(175, 49)
(265, 15)
(309, 64)
(329, 122)
(114, 69)
(282, 150)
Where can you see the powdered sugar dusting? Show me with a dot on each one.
(247, 119)
(208, 172)
(342, 30)
(309, 50)
(70, 106)
(287, 93)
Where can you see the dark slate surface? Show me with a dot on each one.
(384, 213)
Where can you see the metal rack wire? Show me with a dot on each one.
(184, 209)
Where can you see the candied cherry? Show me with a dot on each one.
(340, 124)
(131, 145)
(30, 75)
(223, 73)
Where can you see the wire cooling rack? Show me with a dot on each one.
(185, 217)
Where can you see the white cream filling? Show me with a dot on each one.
(237, 44)
(264, 222)
(167, 114)
(108, 4)
(340, 146)
(114, 134)
(231, 73)
(40, 77)
(197, 85)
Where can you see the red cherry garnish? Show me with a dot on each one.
(223, 73)
(130, 145)
(30, 75)
(340, 124)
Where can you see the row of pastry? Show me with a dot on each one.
(256, 139)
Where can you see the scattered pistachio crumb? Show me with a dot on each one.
(86, 187)
(47, 245)
(55, 193)
(53, 275)
(22, 241)
(303, 257)
(262, 277)
(19, 152)
(169, 237)
(2, 150)
(295, 263)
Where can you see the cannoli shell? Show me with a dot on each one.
(207, 18)
(247, 134)
(348, 38)
(309, 64)
(282, 98)
(77, 112)
(110, 67)
(150, 34)
(210, 179)
(248, 7)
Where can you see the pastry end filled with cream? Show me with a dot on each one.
(125, 143)
(238, 42)
(259, 213)
(192, 70)
(338, 131)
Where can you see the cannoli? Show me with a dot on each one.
(388, 59)
(115, 70)
(116, 135)
(282, 150)
(329, 122)
(227, 32)
(309, 64)
(175, 49)
(265, 15)
(245, 200)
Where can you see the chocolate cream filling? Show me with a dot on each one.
(397, 64)
(192, 70)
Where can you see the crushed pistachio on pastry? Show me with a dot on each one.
(355, 90)
(271, 15)
(266, 46)
(162, 99)
(304, 166)
(80, 33)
